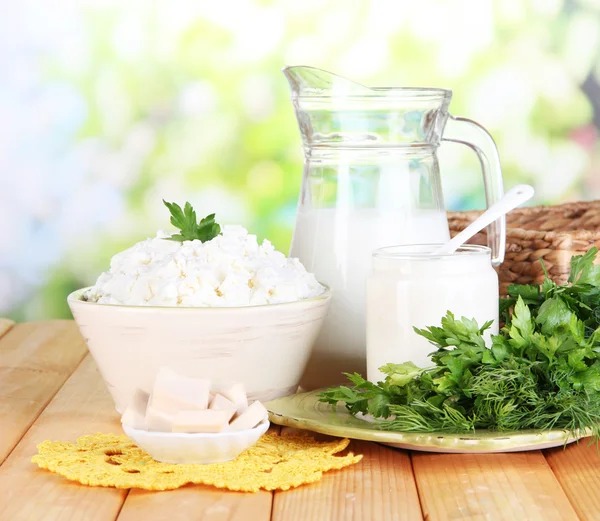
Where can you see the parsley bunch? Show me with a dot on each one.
(205, 230)
(541, 372)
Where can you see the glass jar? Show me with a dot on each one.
(410, 286)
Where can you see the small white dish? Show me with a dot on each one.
(196, 448)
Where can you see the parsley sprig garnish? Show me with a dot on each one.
(541, 372)
(186, 221)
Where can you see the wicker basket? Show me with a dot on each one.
(551, 233)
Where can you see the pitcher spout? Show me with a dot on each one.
(336, 112)
(312, 82)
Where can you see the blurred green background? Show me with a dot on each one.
(109, 106)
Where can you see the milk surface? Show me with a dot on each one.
(336, 245)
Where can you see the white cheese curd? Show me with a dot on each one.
(230, 270)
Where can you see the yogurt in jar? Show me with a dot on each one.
(411, 286)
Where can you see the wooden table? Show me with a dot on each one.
(50, 389)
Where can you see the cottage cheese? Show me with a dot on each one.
(230, 270)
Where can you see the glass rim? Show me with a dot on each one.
(387, 93)
(392, 252)
(324, 151)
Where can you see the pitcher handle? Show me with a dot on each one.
(470, 133)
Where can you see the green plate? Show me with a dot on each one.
(304, 411)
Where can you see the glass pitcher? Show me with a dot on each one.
(371, 179)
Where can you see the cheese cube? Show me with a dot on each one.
(201, 421)
(234, 392)
(135, 413)
(158, 421)
(220, 403)
(250, 418)
(173, 392)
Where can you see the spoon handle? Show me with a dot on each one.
(513, 198)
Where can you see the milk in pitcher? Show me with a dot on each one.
(336, 245)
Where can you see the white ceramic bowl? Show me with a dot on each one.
(201, 448)
(264, 347)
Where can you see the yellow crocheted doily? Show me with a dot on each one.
(276, 462)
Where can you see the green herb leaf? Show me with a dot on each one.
(583, 269)
(400, 374)
(526, 291)
(185, 220)
(553, 314)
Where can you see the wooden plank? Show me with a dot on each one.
(28, 493)
(35, 361)
(479, 487)
(379, 488)
(577, 469)
(197, 503)
(5, 325)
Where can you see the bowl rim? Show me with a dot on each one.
(75, 298)
(264, 424)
